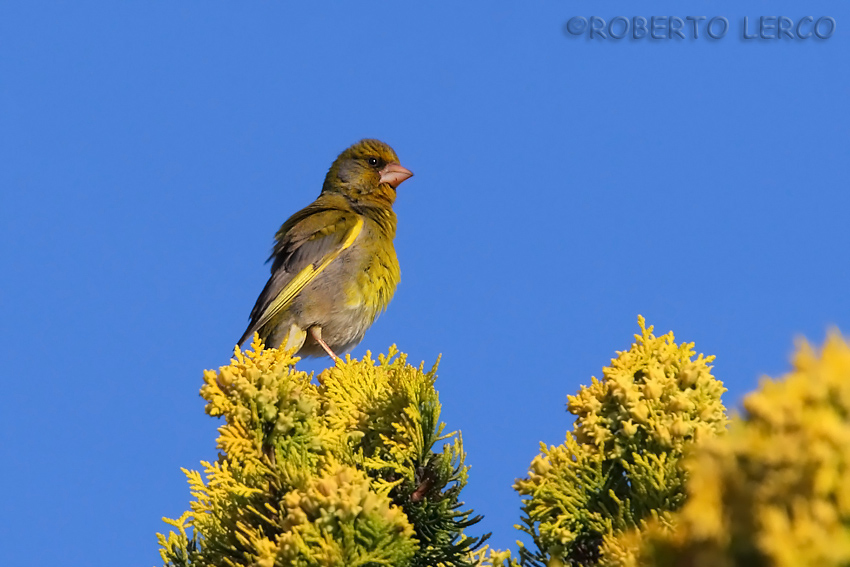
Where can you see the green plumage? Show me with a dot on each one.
(334, 267)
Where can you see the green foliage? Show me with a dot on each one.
(620, 466)
(343, 473)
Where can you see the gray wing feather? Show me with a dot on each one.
(289, 257)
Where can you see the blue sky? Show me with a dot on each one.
(563, 186)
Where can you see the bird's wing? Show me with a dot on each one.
(306, 244)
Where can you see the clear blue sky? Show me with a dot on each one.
(150, 150)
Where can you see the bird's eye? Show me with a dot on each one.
(373, 161)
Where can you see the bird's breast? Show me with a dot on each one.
(375, 274)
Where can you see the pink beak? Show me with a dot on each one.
(394, 174)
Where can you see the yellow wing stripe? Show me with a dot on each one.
(308, 274)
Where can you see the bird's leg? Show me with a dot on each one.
(316, 333)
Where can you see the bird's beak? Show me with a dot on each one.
(394, 174)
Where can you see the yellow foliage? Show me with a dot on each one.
(656, 393)
(775, 491)
(344, 472)
(620, 466)
(341, 473)
(489, 557)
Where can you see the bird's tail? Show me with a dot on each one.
(249, 332)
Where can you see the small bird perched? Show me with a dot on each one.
(334, 265)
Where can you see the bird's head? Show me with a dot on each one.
(367, 173)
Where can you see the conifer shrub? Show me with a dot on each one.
(621, 464)
(354, 470)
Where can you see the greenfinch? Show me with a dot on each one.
(334, 267)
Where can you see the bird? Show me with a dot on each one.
(334, 267)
